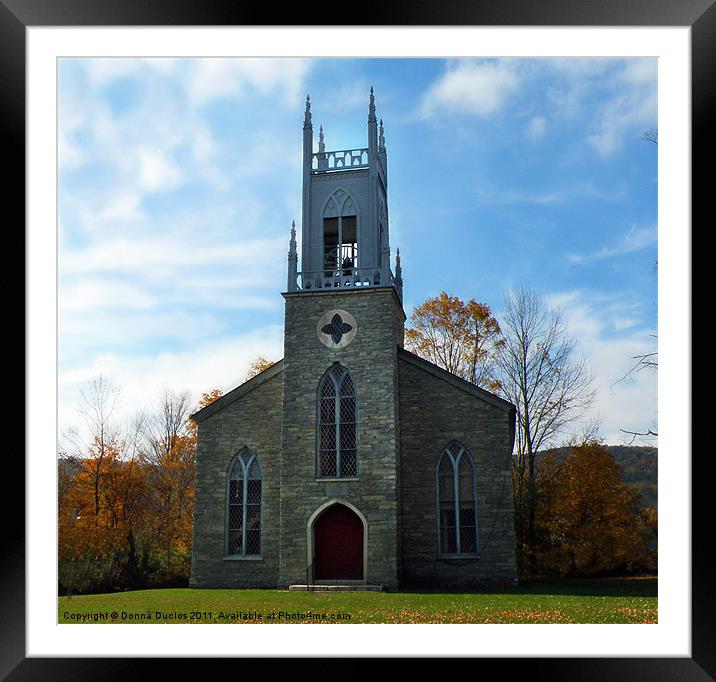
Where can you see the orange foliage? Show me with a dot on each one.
(258, 365)
(459, 337)
(588, 520)
(126, 519)
(97, 513)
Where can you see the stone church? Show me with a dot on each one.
(351, 462)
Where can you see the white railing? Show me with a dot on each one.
(345, 159)
(343, 278)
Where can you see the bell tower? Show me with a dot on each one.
(345, 229)
(344, 319)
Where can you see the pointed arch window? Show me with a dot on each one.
(244, 497)
(337, 424)
(340, 233)
(457, 502)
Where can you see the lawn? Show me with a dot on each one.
(605, 601)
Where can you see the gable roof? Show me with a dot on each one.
(466, 386)
(240, 391)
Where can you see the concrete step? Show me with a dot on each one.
(335, 588)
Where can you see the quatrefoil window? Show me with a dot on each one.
(336, 328)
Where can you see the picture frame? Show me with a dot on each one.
(16, 16)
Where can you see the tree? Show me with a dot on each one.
(588, 520)
(645, 360)
(550, 387)
(98, 402)
(650, 135)
(258, 365)
(648, 361)
(97, 493)
(125, 497)
(457, 336)
(169, 451)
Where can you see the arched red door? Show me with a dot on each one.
(338, 543)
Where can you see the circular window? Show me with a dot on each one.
(336, 328)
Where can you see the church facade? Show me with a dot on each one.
(351, 460)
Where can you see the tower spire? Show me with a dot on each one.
(292, 282)
(381, 137)
(307, 123)
(292, 242)
(372, 128)
(398, 275)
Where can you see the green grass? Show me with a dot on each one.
(606, 601)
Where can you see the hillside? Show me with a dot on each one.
(638, 465)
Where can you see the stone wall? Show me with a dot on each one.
(433, 412)
(371, 359)
(252, 421)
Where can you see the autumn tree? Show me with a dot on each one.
(209, 397)
(169, 453)
(457, 336)
(588, 520)
(550, 387)
(206, 399)
(258, 365)
(125, 495)
(102, 435)
(97, 493)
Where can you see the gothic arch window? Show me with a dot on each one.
(244, 497)
(340, 232)
(457, 502)
(337, 424)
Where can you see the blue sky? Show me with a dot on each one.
(179, 179)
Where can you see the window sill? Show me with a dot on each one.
(458, 557)
(336, 479)
(238, 557)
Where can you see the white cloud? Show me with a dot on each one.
(640, 72)
(265, 150)
(221, 363)
(630, 110)
(101, 293)
(156, 172)
(596, 322)
(103, 70)
(517, 196)
(233, 77)
(69, 155)
(579, 67)
(165, 254)
(494, 195)
(536, 128)
(618, 97)
(469, 87)
(636, 239)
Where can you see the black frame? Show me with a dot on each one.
(700, 15)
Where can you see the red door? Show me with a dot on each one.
(338, 542)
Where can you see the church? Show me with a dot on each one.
(351, 463)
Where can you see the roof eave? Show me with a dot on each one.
(238, 392)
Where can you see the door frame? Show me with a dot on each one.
(311, 541)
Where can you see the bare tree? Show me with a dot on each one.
(169, 448)
(650, 135)
(550, 387)
(648, 361)
(103, 439)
